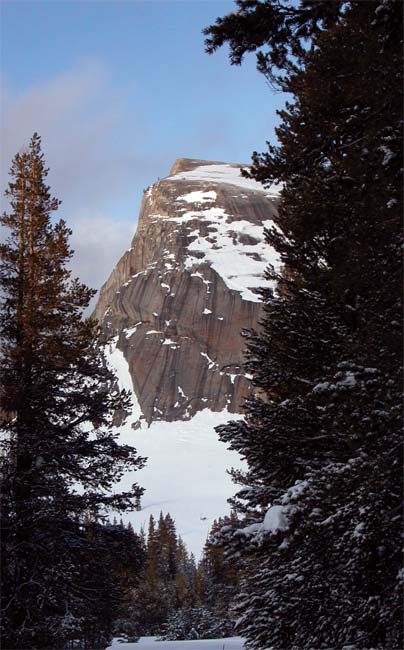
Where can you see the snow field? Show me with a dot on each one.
(151, 643)
(223, 173)
(185, 473)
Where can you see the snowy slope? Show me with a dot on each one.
(186, 469)
(240, 265)
(233, 261)
(225, 173)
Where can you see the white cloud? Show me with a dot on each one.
(93, 146)
(98, 242)
(89, 135)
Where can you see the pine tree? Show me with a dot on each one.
(185, 577)
(59, 456)
(168, 581)
(193, 623)
(125, 559)
(218, 576)
(154, 597)
(322, 436)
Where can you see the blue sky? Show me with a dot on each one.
(118, 90)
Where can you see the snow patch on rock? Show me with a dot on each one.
(241, 266)
(223, 173)
(117, 363)
(198, 197)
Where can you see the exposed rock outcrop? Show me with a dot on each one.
(177, 300)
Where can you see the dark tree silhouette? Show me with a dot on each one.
(322, 436)
(59, 455)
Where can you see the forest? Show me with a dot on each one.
(310, 556)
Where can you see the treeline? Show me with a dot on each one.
(320, 505)
(112, 557)
(175, 597)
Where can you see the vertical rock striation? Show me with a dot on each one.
(177, 300)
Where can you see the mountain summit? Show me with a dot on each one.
(177, 300)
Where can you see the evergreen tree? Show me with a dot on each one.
(193, 623)
(59, 457)
(154, 597)
(185, 577)
(166, 547)
(125, 558)
(168, 581)
(322, 436)
(111, 561)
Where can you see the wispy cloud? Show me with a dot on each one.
(94, 147)
(98, 242)
(69, 114)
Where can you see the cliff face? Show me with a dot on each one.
(177, 300)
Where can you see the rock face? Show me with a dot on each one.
(177, 300)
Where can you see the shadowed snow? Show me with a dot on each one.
(150, 643)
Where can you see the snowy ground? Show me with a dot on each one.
(150, 643)
(186, 470)
(185, 474)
